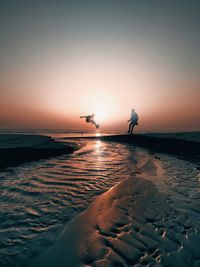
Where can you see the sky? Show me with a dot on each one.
(62, 59)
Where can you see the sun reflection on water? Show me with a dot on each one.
(97, 134)
(98, 144)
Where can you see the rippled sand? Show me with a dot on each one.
(137, 222)
(38, 199)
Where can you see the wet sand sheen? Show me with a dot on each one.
(130, 224)
(39, 198)
(136, 223)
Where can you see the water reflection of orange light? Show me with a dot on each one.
(97, 134)
(99, 155)
(98, 144)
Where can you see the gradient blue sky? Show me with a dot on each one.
(61, 59)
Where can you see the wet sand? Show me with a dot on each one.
(151, 218)
(135, 223)
(132, 224)
(20, 148)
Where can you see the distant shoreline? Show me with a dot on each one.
(163, 143)
(179, 147)
(20, 148)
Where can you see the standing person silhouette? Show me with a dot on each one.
(133, 121)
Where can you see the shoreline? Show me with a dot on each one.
(187, 149)
(30, 147)
(16, 149)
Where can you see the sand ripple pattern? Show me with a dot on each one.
(38, 198)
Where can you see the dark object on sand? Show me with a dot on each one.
(90, 119)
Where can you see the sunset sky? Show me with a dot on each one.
(62, 59)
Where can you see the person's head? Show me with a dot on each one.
(133, 109)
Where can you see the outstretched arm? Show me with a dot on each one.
(83, 117)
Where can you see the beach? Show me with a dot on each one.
(110, 203)
(138, 222)
(99, 133)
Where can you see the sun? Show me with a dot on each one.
(101, 113)
(103, 107)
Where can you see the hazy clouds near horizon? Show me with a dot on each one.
(61, 59)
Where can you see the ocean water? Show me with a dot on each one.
(39, 198)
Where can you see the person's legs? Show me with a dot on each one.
(129, 127)
(96, 125)
(132, 128)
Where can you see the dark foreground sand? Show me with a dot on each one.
(189, 136)
(19, 148)
(132, 224)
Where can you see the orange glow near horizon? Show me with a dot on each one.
(60, 108)
(104, 60)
